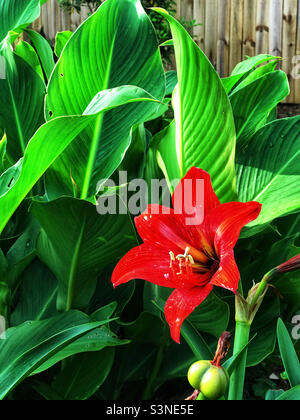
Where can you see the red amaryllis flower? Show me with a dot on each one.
(189, 257)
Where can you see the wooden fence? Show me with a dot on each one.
(229, 31)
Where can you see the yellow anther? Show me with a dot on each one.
(172, 258)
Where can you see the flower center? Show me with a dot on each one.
(185, 263)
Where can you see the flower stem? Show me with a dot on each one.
(237, 380)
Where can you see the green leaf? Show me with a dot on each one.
(81, 378)
(212, 316)
(244, 68)
(171, 81)
(288, 354)
(268, 170)
(37, 295)
(95, 341)
(116, 46)
(3, 143)
(264, 326)
(14, 13)
(77, 243)
(253, 103)
(29, 345)
(291, 395)
(61, 40)
(53, 137)
(21, 104)
(204, 132)
(27, 52)
(233, 362)
(44, 51)
(23, 251)
(255, 75)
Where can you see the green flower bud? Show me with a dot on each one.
(210, 380)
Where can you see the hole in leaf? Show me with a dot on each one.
(50, 113)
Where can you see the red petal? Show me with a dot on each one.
(224, 223)
(160, 227)
(228, 275)
(196, 195)
(146, 263)
(181, 304)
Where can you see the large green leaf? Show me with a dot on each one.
(21, 103)
(53, 138)
(204, 132)
(29, 345)
(253, 103)
(269, 169)
(14, 13)
(116, 46)
(77, 243)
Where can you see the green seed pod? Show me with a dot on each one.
(196, 372)
(214, 383)
(210, 380)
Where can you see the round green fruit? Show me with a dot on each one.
(196, 372)
(214, 383)
(210, 380)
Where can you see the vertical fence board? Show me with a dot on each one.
(45, 14)
(249, 36)
(84, 13)
(290, 11)
(210, 37)
(223, 37)
(276, 14)
(199, 16)
(262, 26)
(236, 33)
(186, 10)
(65, 21)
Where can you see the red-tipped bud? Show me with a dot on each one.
(290, 265)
